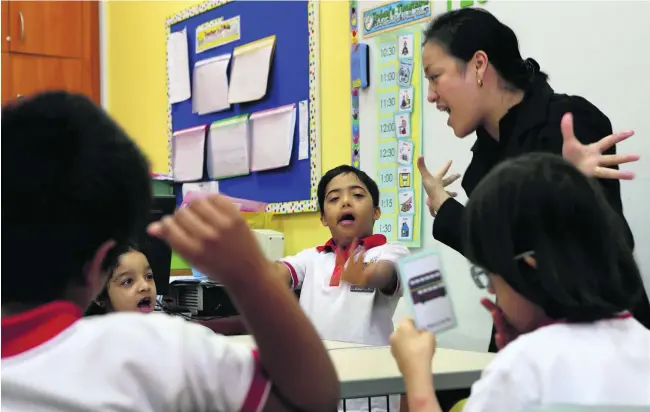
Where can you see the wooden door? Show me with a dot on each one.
(32, 74)
(6, 77)
(5, 25)
(50, 28)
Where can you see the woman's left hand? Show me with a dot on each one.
(412, 348)
(589, 159)
(435, 185)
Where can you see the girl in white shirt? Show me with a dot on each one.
(554, 254)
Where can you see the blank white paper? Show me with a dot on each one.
(228, 148)
(187, 154)
(303, 130)
(210, 89)
(178, 67)
(249, 77)
(272, 137)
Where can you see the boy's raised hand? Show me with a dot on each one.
(354, 270)
(213, 237)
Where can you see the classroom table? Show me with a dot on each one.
(371, 370)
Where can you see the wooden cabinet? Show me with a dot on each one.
(50, 45)
(5, 26)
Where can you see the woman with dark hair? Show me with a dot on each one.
(476, 74)
(553, 252)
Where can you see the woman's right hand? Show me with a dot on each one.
(505, 332)
(435, 184)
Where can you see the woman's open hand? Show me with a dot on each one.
(589, 159)
(435, 184)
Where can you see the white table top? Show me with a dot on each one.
(371, 370)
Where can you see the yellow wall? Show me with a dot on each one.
(137, 97)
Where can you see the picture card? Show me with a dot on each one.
(406, 202)
(405, 44)
(405, 73)
(406, 99)
(404, 152)
(403, 125)
(405, 177)
(421, 276)
(405, 227)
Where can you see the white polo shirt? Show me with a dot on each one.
(602, 363)
(54, 360)
(345, 312)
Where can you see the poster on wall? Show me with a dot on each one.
(399, 132)
(392, 16)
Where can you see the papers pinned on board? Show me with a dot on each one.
(229, 148)
(217, 32)
(272, 137)
(187, 154)
(210, 187)
(250, 72)
(178, 67)
(211, 85)
(303, 130)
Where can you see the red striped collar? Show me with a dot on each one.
(367, 242)
(34, 327)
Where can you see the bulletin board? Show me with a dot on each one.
(293, 78)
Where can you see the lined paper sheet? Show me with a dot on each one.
(250, 71)
(272, 137)
(178, 67)
(229, 148)
(210, 187)
(210, 89)
(187, 154)
(303, 130)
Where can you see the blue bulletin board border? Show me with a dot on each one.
(298, 205)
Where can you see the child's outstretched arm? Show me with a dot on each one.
(413, 350)
(213, 237)
(381, 274)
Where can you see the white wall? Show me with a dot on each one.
(596, 49)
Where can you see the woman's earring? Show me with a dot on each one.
(480, 82)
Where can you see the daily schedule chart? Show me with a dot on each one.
(398, 78)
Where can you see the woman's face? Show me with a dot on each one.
(453, 88)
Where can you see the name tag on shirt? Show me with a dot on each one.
(422, 278)
(355, 288)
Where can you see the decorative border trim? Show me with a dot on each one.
(298, 206)
(354, 89)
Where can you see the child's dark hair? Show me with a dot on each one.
(101, 303)
(465, 31)
(72, 180)
(539, 202)
(342, 170)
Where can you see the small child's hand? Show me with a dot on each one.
(354, 271)
(412, 348)
(213, 237)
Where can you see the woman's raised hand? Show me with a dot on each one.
(589, 159)
(435, 184)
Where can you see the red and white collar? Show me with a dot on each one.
(367, 242)
(32, 328)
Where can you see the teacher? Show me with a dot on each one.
(478, 77)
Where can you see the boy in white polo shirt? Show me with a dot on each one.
(348, 298)
(75, 185)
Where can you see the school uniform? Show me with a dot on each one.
(344, 312)
(534, 126)
(55, 360)
(601, 363)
